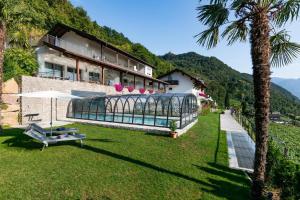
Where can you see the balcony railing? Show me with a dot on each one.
(84, 51)
(173, 82)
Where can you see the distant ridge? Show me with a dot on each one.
(292, 85)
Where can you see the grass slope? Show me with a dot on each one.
(122, 164)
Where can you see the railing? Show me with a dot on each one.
(249, 126)
(173, 82)
(82, 50)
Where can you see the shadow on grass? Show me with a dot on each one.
(216, 185)
(218, 141)
(17, 139)
(221, 188)
(100, 140)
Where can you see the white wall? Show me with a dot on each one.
(46, 54)
(185, 83)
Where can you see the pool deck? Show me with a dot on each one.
(241, 147)
(147, 129)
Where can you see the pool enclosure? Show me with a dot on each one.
(140, 109)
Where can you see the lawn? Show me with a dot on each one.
(122, 164)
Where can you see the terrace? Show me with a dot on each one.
(118, 164)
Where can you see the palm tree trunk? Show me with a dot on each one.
(260, 53)
(2, 46)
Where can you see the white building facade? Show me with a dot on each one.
(181, 82)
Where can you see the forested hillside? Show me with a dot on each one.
(42, 15)
(220, 79)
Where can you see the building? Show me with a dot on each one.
(182, 82)
(66, 53)
(75, 62)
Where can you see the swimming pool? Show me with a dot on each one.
(149, 110)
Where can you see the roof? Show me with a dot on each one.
(198, 81)
(60, 29)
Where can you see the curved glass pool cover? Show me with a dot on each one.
(150, 110)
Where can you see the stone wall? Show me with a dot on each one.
(42, 107)
(11, 107)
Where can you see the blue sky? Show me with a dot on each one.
(170, 26)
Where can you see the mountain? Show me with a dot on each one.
(42, 15)
(292, 85)
(220, 78)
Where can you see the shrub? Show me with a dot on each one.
(19, 62)
(205, 111)
(173, 125)
(282, 173)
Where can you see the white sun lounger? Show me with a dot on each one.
(53, 139)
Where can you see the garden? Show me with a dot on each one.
(122, 164)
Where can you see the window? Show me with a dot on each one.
(94, 77)
(72, 74)
(111, 77)
(127, 80)
(53, 70)
(139, 82)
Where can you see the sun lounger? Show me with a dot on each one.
(61, 130)
(53, 139)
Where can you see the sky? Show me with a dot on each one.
(165, 26)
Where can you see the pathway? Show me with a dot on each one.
(241, 147)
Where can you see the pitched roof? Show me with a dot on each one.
(197, 80)
(60, 29)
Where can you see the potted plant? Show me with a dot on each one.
(142, 90)
(173, 127)
(130, 88)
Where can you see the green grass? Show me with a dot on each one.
(122, 164)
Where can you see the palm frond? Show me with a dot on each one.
(237, 31)
(209, 37)
(287, 11)
(213, 14)
(282, 50)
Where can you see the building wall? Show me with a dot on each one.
(42, 107)
(186, 85)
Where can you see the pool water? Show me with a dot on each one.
(126, 119)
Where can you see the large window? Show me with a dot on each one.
(127, 80)
(53, 70)
(139, 82)
(94, 77)
(111, 77)
(72, 74)
(149, 84)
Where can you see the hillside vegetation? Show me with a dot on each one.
(44, 14)
(220, 79)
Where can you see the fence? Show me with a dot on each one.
(249, 126)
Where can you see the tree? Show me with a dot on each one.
(10, 18)
(257, 21)
(227, 100)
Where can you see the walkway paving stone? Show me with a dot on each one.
(241, 148)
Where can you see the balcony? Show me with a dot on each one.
(173, 82)
(87, 52)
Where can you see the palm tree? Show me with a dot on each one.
(256, 20)
(10, 18)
